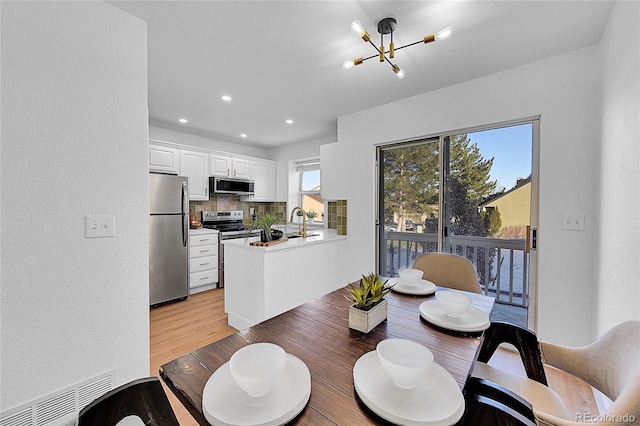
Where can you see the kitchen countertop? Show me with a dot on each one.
(320, 236)
(202, 231)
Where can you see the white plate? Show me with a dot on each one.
(422, 287)
(474, 320)
(225, 404)
(435, 401)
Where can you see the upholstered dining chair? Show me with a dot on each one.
(448, 270)
(144, 398)
(611, 364)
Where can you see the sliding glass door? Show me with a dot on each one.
(468, 194)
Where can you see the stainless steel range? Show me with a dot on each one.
(229, 224)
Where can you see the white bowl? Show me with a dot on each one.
(256, 367)
(406, 361)
(453, 303)
(410, 277)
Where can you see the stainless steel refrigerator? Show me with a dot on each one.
(168, 238)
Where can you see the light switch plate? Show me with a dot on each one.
(100, 226)
(573, 222)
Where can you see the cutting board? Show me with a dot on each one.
(268, 243)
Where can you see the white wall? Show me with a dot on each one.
(74, 142)
(618, 294)
(564, 90)
(166, 135)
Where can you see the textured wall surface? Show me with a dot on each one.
(617, 297)
(74, 143)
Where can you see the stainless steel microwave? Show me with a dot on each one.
(219, 185)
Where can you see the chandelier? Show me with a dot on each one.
(388, 26)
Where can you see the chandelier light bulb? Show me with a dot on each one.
(444, 34)
(347, 65)
(399, 71)
(356, 27)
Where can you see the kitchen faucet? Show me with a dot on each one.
(303, 233)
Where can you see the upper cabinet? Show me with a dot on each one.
(163, 160)
(264, 175)
(195, 166)
(198, 165)
(220, 165)
(227, 166)
(241, 169)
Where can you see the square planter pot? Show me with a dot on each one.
(365, 321)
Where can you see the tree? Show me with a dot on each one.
(470, 168)
(492, 222)
(410, 181)
(468, 183)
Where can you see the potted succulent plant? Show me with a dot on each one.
(264, 224)
(311, 215)
(369, 306)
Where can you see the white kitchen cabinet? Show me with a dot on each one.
(163, 160)
(334, 172)
(227, 166)
(264, 176)
(220, 165)
(203, 260)
(195, 166)
(241, 168)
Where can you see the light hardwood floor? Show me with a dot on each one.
(179, 328)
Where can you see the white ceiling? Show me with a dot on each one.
(283, 59)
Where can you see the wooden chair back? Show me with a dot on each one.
(448, 270)
(144, 398)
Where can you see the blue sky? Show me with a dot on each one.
(511, 149)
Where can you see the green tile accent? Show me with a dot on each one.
(337, 216)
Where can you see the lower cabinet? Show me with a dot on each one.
(203, 260)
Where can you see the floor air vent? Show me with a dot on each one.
(62, 407)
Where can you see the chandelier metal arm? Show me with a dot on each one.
(380, 53)
(410, 44)
(388, 26)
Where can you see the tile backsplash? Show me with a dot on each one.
(233, 202)
(336, 217)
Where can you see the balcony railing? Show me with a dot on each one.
(502, 265)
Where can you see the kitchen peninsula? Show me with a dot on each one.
(262, 282)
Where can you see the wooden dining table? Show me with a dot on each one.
(318, 333)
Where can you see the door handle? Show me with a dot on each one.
(185, 216)
(531, 242)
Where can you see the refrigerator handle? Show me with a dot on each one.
(185, 215)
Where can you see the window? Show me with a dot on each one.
(309, 192)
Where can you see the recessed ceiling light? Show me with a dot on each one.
(289, 121)
(183, 120)
(243, 135)
(226, 98)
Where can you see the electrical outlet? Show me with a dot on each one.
(100, 226)
(573, 222)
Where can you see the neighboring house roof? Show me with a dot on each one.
(493, 198)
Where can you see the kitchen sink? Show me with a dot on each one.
(296, 235)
